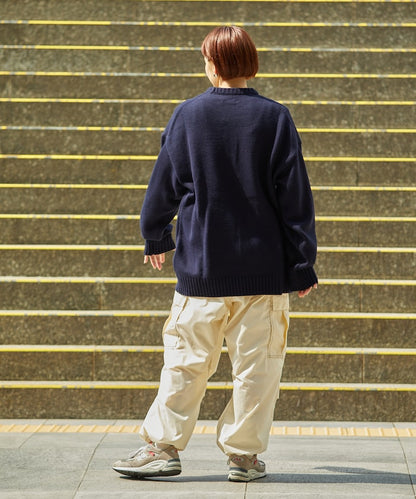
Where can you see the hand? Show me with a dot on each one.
(305, 292)
(157, 261)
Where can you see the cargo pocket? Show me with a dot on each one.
(279, 325)
(170, 334)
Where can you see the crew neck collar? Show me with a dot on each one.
(233, 91)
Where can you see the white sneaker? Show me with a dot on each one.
(150, 461)
(245, 468)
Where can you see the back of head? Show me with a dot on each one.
(232, 51)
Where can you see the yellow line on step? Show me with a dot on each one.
(160, 349)
(78, 22)
(132, 157)
(220, 385)
(91, 216)
(170, 48)
(38, 100)
(202, 75)
(165, 313)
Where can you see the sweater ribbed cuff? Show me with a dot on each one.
(158, 247)
(302, 279)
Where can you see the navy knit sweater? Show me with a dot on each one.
(231, 167)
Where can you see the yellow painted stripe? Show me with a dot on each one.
(351, 351)
(163, 48)
(221, 385)
(59, 216)
(121, 157)
(84, 313)
(363, 188)
(100, 47)
(336, 75)
(178, 101)
(72, 247)
(160, 349)
(102, 73)
(318, 218)
(165, 313)
(83, 385)
(352, 315)
(75, 186)
(172, 280)
(347, 387)
(280, 430)
(351, 102)
(99, 101)
(77, 22)
(357, 130)
(368, 282)
(81, 349)
(359, 159)
(81, 157)
(203, 75)
(363, 249)
(337, 218)
(84, 128)
(86, 280)
(161, 129)
(348, 188)
(293, 1)
(140, 247)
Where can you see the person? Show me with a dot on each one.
(231, 167)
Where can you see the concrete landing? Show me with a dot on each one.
(72, 459)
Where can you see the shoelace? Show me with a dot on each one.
(253, 459)
(142, 452)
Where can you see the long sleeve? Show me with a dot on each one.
(295, 205)
(160, 205)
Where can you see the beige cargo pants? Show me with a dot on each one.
(255, 332)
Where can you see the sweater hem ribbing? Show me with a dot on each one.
(241, 285)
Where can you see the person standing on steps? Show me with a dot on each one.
(231, 167)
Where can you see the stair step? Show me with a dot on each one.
(307, 329)
(317, 34)
(214, 11)
(153, 113)
(325, 142)
(281, 86)
(129, 363)
(394, 143)
(87, 293)
(125, 229)
(133, 33)
(126, 199)
(130, 400)
(98, 169)
(125, 261)
(188, 60)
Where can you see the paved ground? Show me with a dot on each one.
(72, 459)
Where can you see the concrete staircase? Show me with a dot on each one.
(85, 92)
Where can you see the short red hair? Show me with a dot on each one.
(232, 51)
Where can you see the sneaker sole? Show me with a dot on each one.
(155, 468)
(239, 475)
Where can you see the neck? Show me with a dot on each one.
(234, 83)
